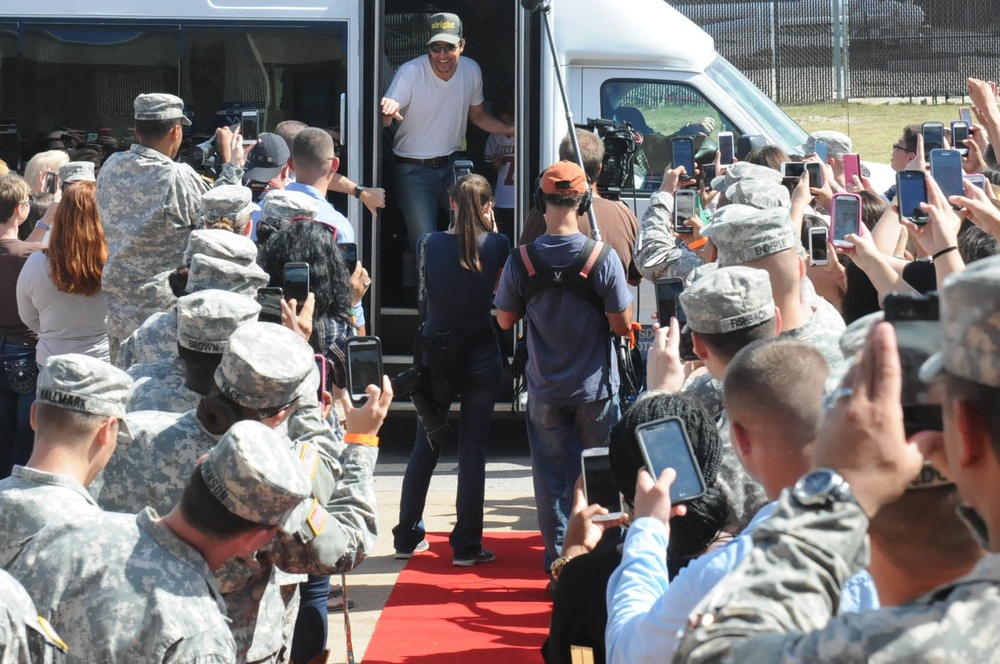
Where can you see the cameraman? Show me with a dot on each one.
(615, 220)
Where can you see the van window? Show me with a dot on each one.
(659, 111)
(10, 97)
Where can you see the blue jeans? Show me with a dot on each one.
(557, 435)
(480, 395)
(421, 192)
(18, 376)
(311, 629)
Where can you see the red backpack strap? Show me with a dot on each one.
(595, 253)
(526, 259)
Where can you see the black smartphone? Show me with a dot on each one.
(667, 290)
(793, 169)
(599, 483)
(296, 286)
(727, 148)
(686, 348)
(349, 250)
(959, 135)
(364, 367)
(845, 213)
(682, 149)
(947, 171)
(911, 191)
(815, 173)
(665, 444)
(933, 137)
(918, 336)
(709, 173)
(269, 299)
(685, 207)
(250, 127)
(51, 183)
(818, 254)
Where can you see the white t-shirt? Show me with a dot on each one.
(435, 112)
(503, 193)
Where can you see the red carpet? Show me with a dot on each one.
(497, 612)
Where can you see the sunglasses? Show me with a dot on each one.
(897, 146)
(447, 48)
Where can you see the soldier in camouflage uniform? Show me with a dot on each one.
(228, 208)
(205, 320)
(140, 588)
(279, 208)
(266, 372)
(25, 637)
(777, 606)
(79, 406)
(148, 205)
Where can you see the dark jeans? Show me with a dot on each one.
(422, 192)
(18, 375)
(311, 629)
(477, 401)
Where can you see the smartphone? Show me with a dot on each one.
(845, 218)
(819, 149)
(250, 127)
(51, 183)
(977, 179)
(350, 253)
(364, 367)
(852, 167)
(793, 169)
(959, 135)
(269, 299)
(933, 137)
(727, 150)
(296, 286)
(686, 348)
(965, 113)
(708, 170)
(682, 149)
(815, 173)
(665, 444)
(946, 169)
(599, 483)
(818, 236)
(667, 290)
(685, 207)
(911, 191)
(918, 336)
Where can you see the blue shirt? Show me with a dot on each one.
(647, 613)
(327, 213)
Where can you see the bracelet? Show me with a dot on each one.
(697, 244)
(361, 439)
(555, 569)
(943, 252)
(39, 224)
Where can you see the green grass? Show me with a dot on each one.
(873, 128)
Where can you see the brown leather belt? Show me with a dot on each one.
(434, 162)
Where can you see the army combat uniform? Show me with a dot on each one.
(25, 637)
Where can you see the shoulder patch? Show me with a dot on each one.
(309, 457)
(316, 518)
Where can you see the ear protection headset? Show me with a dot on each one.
(539, 200)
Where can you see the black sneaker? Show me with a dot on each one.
(484, 556)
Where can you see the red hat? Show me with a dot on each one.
(564, 178)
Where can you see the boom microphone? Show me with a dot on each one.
(536, 5)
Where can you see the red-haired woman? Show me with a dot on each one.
(59, 290)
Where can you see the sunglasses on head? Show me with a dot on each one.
(447, 48)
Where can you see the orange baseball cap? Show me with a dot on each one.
(564, 178)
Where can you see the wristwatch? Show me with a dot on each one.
(358, 190)
(821, 488)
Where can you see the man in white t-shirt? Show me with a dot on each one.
(434, 98)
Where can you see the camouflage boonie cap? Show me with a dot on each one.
(970, 325)
(699, 272)
(228, 200)
(206, 319)
(727, 300)
(207, 272)
(221, 244)
(264, 365)
(84, 384)
(744, 170)
(837, 144)
(160, 106)
(759, 193)
(746, 238)
(279, 207)
(77, 171)
(254, 474)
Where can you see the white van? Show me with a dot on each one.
(327, 62)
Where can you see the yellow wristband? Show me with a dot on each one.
(361, 439)
(697, 244)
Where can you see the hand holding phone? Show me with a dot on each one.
(727, 151)
(685, 207)
(845, 216)
(664, 444)
(852, 169)
(946, 169)
(599, 483)
(667, 290)
(250, 127)
(911, 191)
(933, 134)
(959, 135)
(818, 253)
(364, 367)
(296, 284)
(269, 299)
(682, 151)
(918, 336)
(349, 250)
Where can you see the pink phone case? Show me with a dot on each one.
(852, 167)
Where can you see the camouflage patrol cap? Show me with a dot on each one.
(232, 201)
(699, 272)
(254, 474)
(759, 193)
(746, 238)
(221, 244)
(263, 366)
(732, 211)
(727, 300)
(77, 171)
(279, 207)
(206, 319)
(209, 272)
(84, 384)
(837, 144)
(160, 106)
(970, 325)
(744, 170)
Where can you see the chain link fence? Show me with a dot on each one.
(820, 50)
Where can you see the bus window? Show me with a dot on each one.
(10, 99)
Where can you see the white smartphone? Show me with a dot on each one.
(727, 151)
(250, 127)
(599, 483)
(818, 254)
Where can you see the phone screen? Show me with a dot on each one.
(817, 245)
(683, 154)
(977, 179)
(686, 342)
(959, 134)
(815, 173)
(911, 192)
(51, 183)
(793, 169)
(685, 207)
(946, 169)
(664, 444)
(350, 253)
(364, 366)
(296, 282)
(846, 217)
(599, 482)
(269, 299)
(710, 173)
(667, 291)
(933, 137)
(250, 128)
(918, 336)
(726, 150)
